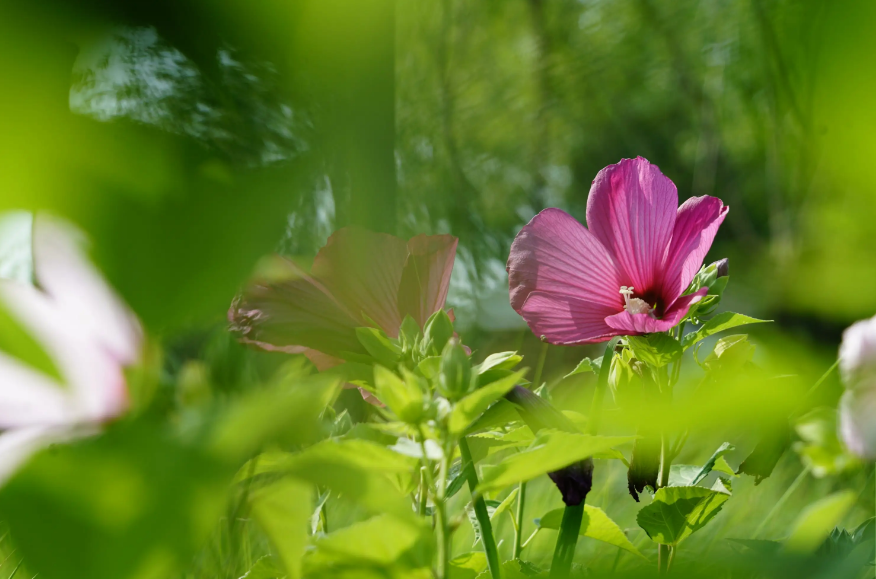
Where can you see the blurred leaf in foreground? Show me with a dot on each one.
(132, 503)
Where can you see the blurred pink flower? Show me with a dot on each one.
(625, 275)
(360, 278)
(88, 334)
(857, 361)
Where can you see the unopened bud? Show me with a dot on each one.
(722, 267)
(454, 379)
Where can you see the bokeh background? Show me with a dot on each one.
(191, 138)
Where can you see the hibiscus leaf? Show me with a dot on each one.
(687, 475)
(677, 512)
(282, 510)
(721, 322)
(472, 406)
(596, 525)
(550, 451)
(438, 330)
(380, 346)
(656, 350)
(584, 366)
(499, 361)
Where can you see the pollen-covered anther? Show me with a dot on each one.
(634, 305)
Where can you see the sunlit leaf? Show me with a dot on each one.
(472, 406)
(283, 510)
(719, 323)
(677, 512)
(584, 366)
(499, 361)
(550, 451)
(682, 475)
(817, 520)
(594, 524)
(656, 350)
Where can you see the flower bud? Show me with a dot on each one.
(454, 378)
(722, 267)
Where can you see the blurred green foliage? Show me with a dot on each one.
(191, 138)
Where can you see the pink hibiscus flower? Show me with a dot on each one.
(86, 332)
(627, 273)
(359, 278)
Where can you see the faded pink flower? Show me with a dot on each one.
(360, 278)
(89, 335)
(626, 274)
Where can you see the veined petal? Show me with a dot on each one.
(294, 315)
(554, 254)
(632, 324)
(631, 210)
(567, 320)
(363, 271)
(426, 276)
(63, 271)
(696, 224)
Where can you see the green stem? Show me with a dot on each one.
(566, 541)
(440, 511)
(665, 467)
(780, 503)
(539, 367)
(423, 492)
(480, 508)
(518, 532)
(601, 387)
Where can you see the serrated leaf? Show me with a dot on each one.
(719, 323)
(656, 350)
(551, 450)
(499, 414)
(678, 512)
(264, 568)
(499, 361)
(472, 406)
(721, 465)
(596, 525)
(584, 366)
(817, 520)
(379, 346)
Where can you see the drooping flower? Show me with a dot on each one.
(627, 273)
(857, 359)
(360, 278)
(87, 335)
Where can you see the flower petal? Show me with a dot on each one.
(63, 271)
(567, 320)
(292, 315)
(426, 276)
(857, 427)
(94, 377)
(363, 271)
(631, 324)
(18, 445)
(631, 210)
(696, 224)
(554, 254)
(28, 397)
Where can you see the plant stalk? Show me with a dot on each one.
(518, 531)
(663, 552)
(566, 541)
(480, 508)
